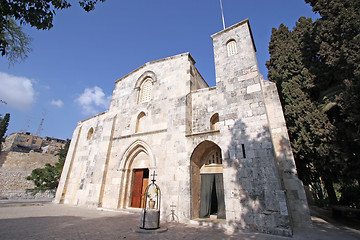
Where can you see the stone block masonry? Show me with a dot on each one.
(15, 167)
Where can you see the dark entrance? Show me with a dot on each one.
(140, 182)
(212, 196)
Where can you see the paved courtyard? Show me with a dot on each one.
(45, 220)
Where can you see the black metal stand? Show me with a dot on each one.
(150, 216)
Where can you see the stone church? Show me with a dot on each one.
(221, 154)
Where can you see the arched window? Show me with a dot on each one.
(231, 48)
(90, 133)
(214, 122)
(145, 91)
(214, 157)
(140, 124)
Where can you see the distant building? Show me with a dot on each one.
(23, 152)
(52, 145)
(26, 142)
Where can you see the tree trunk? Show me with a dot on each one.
(330, 191)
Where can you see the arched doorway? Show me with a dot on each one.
(135, 166)
(140, 179)
(207, 187)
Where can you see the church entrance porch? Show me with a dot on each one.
(207, 187)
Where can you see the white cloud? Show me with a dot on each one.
(57, 103)
(92, 100)
(18, 92)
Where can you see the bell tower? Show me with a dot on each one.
(235, 53)
(254, 137)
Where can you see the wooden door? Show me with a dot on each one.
(141, 180)
(137, 188)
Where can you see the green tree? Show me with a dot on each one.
(310, 130)
(14, 44)
(316, 67)
(4, 123)
(48, 177)
(17, 42)
(338, 40)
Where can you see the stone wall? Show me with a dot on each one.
(15, 167)
(295, 193)
(204, 106)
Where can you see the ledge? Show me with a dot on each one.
(202, 133)
(203, 89)
(140, 134)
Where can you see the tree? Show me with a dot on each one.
(14, 44)
(47, 178)
(310, 130)
(4, 123)
(316, 67)
(17, 43)
(338, 40)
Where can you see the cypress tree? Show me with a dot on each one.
(316, 67)
(310, 130)
(4, 123)
(338, 40)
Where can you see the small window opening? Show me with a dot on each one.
(214, 122)
(140, 125)
(231, 48)
(90, 134)
(243, 150)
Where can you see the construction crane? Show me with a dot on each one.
(38, 132)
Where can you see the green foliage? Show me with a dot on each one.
(4, 123)
(39, 14)
(17, 42)
(310, 130)
(45, 178)
(316, 67)
(48, 177)
(350, 195)
(338, 42)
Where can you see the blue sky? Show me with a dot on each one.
(70, 74)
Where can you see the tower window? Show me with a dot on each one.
(231, 48)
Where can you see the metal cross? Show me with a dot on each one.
(153, 175)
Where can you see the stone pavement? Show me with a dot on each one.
(51, 221)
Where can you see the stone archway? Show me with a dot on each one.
(207, 188)
(135, 166)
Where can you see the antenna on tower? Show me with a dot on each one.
(222, 14)
(38, 132)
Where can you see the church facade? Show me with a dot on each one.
(221, 154)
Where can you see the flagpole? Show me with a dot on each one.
(222, 14)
